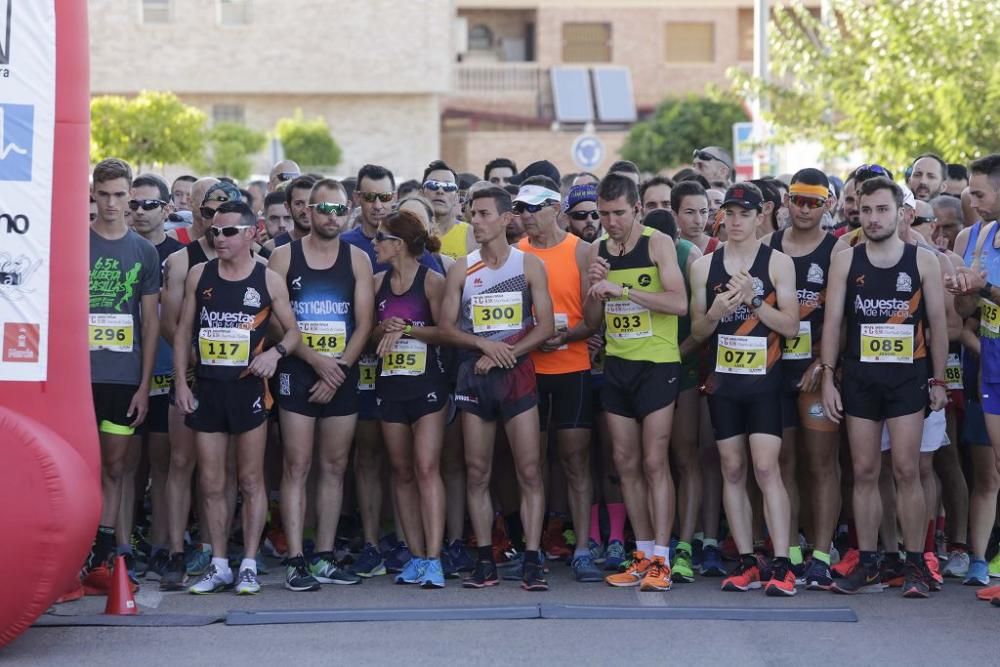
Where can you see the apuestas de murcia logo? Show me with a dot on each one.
(227, 320)
(814, 274)
(903, 282)
(251, 298)
(881, 307)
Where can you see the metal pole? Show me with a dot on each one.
(761, 15)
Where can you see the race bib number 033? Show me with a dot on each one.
(326, 338)
(496, 312)
(625, 319)
(741, 355)
(887, 343)
(110, 332)
(219, 346)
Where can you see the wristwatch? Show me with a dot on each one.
(281, 350)
(756, 302)
(986, 291)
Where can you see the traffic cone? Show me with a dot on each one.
(120, 599)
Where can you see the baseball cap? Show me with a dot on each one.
(540, 168)
(743, 196)
(223, 189)
(714, 153)
(908, 198)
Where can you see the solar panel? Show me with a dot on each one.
(571, 95)
(613, 93)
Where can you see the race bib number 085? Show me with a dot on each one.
(887, 343)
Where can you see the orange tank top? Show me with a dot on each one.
(567, 304)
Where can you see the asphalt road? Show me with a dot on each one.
(950, 628)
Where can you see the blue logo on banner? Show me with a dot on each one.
(16, 134)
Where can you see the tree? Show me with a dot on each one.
(230, 148)
(153, 128)
(894, 79)
(308, 142)
(678, 127)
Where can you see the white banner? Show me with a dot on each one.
(27, 126)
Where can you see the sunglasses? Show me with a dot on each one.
(232, 230)
(288, 175)
(919, 220)
(443, 186)
(807, 202)
(382, 236)
(583, 215)
(520, 207)
(328, 207)
(872, 169)
(93, 217)
(703, 155)
(146, 204)
(384, 197)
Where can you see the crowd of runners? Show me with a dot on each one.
(786, 382)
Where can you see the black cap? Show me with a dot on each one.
(540, 168)
(743, 196)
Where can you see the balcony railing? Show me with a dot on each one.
(500, 79)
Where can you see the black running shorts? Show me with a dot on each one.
(229, 407)
(745, 415)
(500, 394)
(111, 403)
(294, 388)
(564, 400)
(639, 388)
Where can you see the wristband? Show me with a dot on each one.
(624, 291)
(827, 367)
(934, 382)
(986, 291)
(408, 329)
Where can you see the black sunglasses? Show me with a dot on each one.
(919, 220)
(382, 236)
(207, 212)
(288, 175)
(232, 230)
(384, 197)
(583, 215)
(703, 155)
(520, 207)
(146, 204)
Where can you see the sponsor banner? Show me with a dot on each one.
(27, 127)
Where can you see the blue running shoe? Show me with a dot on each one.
(596, 551)
(398, 558)
(514, 568)
(461, 561)
(197, 560)
(585, 571)
(614, 557)
(413, 572)
(433, 576)
(369, 563)
(711, 562)
(979, 573)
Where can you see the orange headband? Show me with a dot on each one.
(806, 189)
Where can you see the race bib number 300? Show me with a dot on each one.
(887, 343)
(110, 332)
(496, 312)
(741, 355)
(408, 357)
(326, 338)
(625, 319)
(799, 347)
(219, 346)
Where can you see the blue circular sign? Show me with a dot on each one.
(588, 151)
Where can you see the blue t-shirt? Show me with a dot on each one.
(357, 238)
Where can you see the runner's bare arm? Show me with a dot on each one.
(281, 308)
(833, 309)
(784, 318)
(150, 312)
(933, 289)
(278, 262)
(172, 294)
(593, 308)
(182, 340)
(364, 306)
(704, 320)
(545, 324)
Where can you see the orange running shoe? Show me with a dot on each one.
(633, 574)
(847, 564)
(781, 586)
(554, 542)
(934, 569)
(657, 577)
(988, 594)
(743, 578)
(98, 581)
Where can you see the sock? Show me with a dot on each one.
(929, 543)
(782, 562)
(662, 551)
(710, 542)
(104, 545)
(616, 517)
(915, 558)
(645, 546)
(486, 553)
(683, 546)
(795, 555)
(748, 559)
(822, 556)
(893, 557)
(595, 523)
(531, 557)
(221, 565)
(869, 559)
(249, 564)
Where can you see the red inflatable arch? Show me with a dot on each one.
(49, 461)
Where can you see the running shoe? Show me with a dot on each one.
(248, 583)
(711, 562)
(596, 551)
(534, 577)
(325, 571)
(957, 565)
(847, 563)
(817, 576)
(433, 574)
(133, 574)
(682, 569)
(213, 581)
(657, 577)
(728, 549)
(745, 577)
(932, 571)
(633, 574)
(696, 556)
(398, 558)
(614, 556)
(297, 577)
(197, 560)
(554, 541)
(860, 580)
(585, 571)
(157, 565)
(513, 570)
(994, 566)
(781, 583)
(412, 573)
(175, 575)
(275, 542)
(988, 594)
(892, 572)
(483, 576)
(460, 559)
(914, 582)
(978, 575)
(369, 563)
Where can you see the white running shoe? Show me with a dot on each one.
(212, 581)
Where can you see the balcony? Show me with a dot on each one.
(500, 79)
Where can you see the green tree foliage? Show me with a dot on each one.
(678, 127)
(230, 147)
(308, 142)
(893, 79)
(153, 128)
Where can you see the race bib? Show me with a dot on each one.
(887, 343)
(989, 316)
(496, 312)
(220, 346)
(625, 319)
(799, 347)
(562, 326)
(408, 357)
(741, 355)
(160, 385)
(367, 370)
(326, 338)
(953, 372)
(113, 333)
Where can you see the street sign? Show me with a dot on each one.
(588, 151)
(743, 149)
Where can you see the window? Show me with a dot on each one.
(746, 35)
(586, 42)
(228, 113)
(234, 12)
(480, 38)
(689, 43)
(155, 11)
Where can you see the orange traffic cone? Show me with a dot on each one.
(120, 599)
